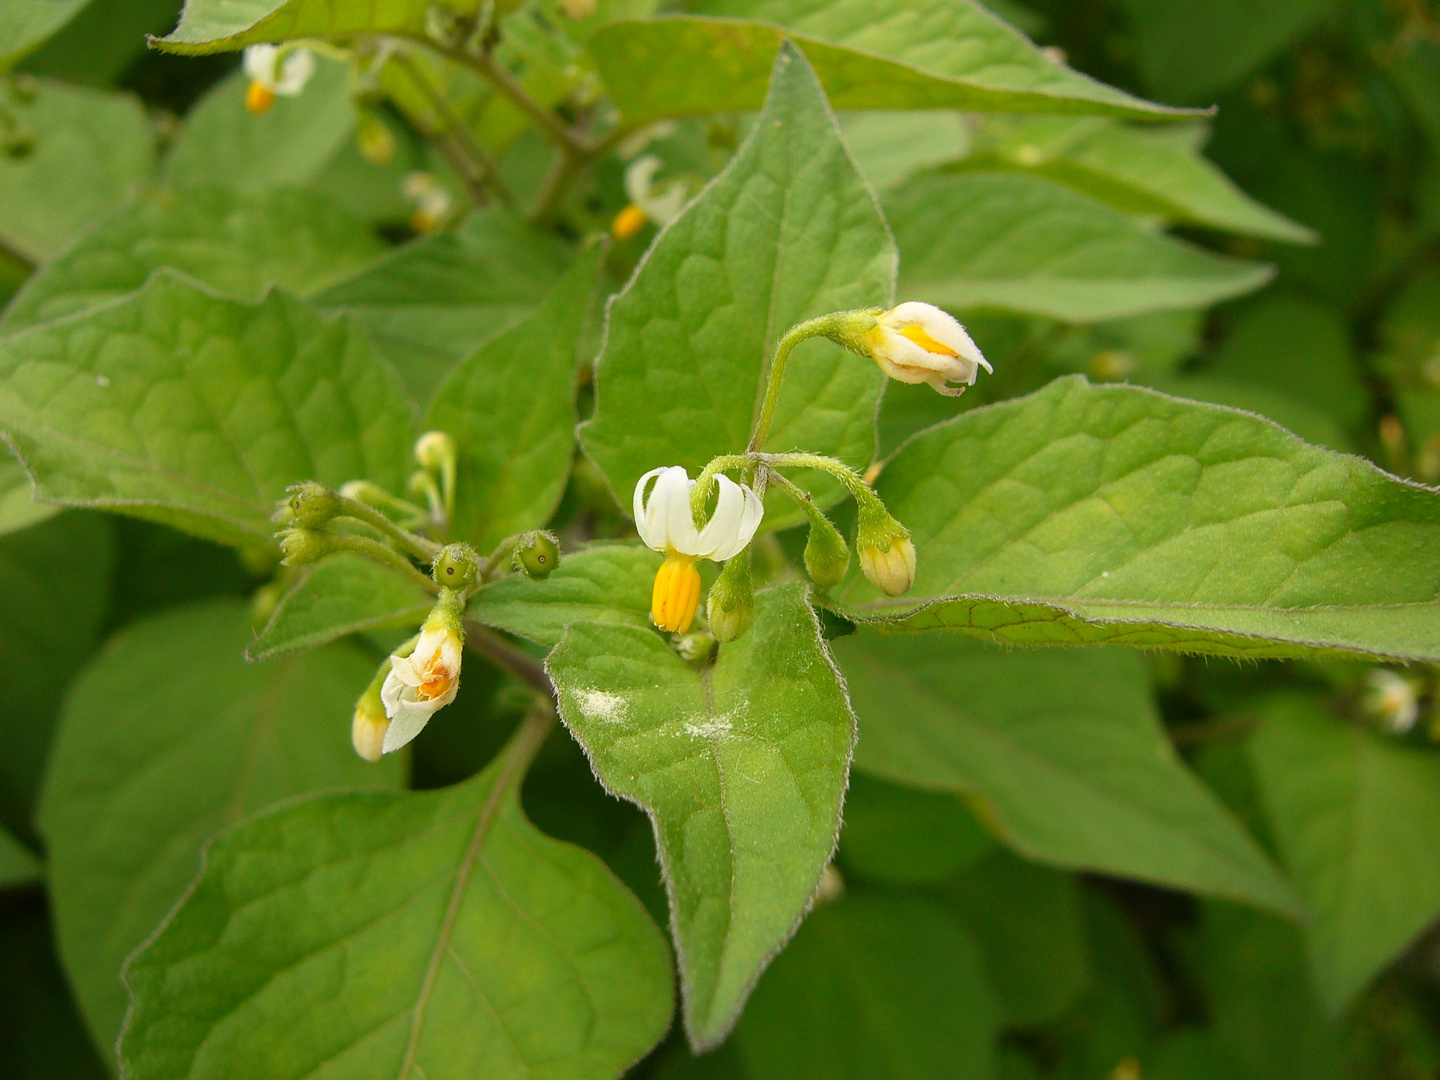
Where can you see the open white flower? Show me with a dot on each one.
(424, 681)
(919, 343)
(662, 205)
(275, 75)
(1391, 699)
(665, 523)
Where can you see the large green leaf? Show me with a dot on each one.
(1148, 170)
(607, 583)
(51, 194)
(219, 25)
(17, 865)
(176, 404)
(882, 54)
(340, 595)
(1110, 513)
(902, 834)
(511, 407)
(1060, 752)
(436, 934)
(1026, 243)
(874, 987)
(788, 231)
(54, 597)
(167, 738)
(742, 769)
(1357, 822)
(26, 24)
(18, 509)
(224, 143)
(438, 299)
(236, 244)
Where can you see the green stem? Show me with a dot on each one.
(499, 651)
(853, 481)
(373, 549)
(418, 546)
(800, 495)
(700, 493)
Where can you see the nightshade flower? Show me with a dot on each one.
(919, 343)
(426, 679)
(647, 203)
(666, 524)
(1391, 700)
(273, 75)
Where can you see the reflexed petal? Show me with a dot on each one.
(671, 504)
(644, 521)
(260, 63)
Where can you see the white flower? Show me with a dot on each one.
(919, 343)
(422, 683)
(1392, 700)
(662, 206)
(431, 201)
(281, 77)
(665, 523)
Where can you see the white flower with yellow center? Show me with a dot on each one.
(665, 523)
(1391, 699)
(919, 343)
(426, 679)
(275, 72)
(647, 202)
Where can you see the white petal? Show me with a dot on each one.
(260, 64)
(639, 176)
(738, 512)
(665, 207)
(940, 325)
(644, 524)
(404, 670)
(407, 722)
(295, 72)
(670, 505)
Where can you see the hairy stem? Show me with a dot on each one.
(499, 651)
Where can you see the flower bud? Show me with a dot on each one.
(887, 557)
(537, 555)
(364, 491)
(436, 450)
(367, 729)
(456, 567)
(1391, 701)
(312, 505)
(731, 606)
(376, 143)
(300, 547)
(827, 556)
(424, 674)
(696, 647)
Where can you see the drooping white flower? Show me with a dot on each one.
(919, 343)
(426, 679)
(647, 203)
(275, 75)
(666, 524)
(432, 202)
(1391, 699)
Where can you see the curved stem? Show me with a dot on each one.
(418, 546)
(700, 493)
(853, 481)
(373, 549)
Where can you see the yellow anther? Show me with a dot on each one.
(259, 98)
(628, 222)
(676, 594)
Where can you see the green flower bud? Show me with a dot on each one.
(300, 547)
(827, 556)
(456, 567)
(435, 450)
(370, 723)
(537, 555)
(313, 505)
(731, 605)
(887, 557)
(696, 647)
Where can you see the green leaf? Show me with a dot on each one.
(167, 738)
(1028, 924)
(889, 147)
(41, 1036)
(606, 583)
(874, 987)
(18, 509)
(788, 231)
(1357, 822)
(26, 24)
(1060, 752)
(341, 595)
(53, 193)
(511, 407)
(1147, 170)
(100, 45)
(742, 769)
(54, 597)
(432, 934)
(436, 300)
(1304, 420)
(1087, 513)
(17, 865)
(883, 54)
(900, 834)
(1027, 244)
(1190, 49)
(237, 244)
(224, 143)
(198, 411)
(221, 25)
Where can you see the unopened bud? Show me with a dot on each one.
(312, 505)
(1391, 700)
(367, 729)
(367, 492)
(436, 450)
(456, 567)
(731, 606)
(376, 143)
(263, 604)
(300, 547)
(827, 556)
(887, 557)
(537, 555)
(695, 647)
